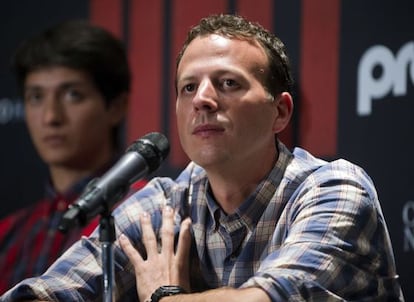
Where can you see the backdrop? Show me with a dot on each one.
(353, 62)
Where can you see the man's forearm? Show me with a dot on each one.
(223, 294)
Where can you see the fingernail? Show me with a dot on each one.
(168, 209)
(144, 215)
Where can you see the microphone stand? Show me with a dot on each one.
(107, 238)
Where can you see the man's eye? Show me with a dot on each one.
(229, 83)
(33, 98)
(189, 88)
(73, 95)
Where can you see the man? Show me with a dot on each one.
(75, 81)
(267, 224)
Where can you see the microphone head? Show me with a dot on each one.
(153, 147)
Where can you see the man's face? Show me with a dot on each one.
(66, 116)
(224, 113)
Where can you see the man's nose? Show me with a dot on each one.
(206, 97)
(52, 111)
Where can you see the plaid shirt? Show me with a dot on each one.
(312, 231)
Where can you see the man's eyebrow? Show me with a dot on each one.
(67, 84)
(218, 72)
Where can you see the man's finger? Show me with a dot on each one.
(184, 243)
(167, 230)
(129, 250)
(148, 236)
(182, 257)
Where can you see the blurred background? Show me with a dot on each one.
(353, 62)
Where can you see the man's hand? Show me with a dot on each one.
(162, 267)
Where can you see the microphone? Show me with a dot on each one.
(100, 195)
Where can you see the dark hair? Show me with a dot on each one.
(279, 76)
(78, 45)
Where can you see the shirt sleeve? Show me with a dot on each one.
(335, 245)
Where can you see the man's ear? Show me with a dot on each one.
(284, 109)
(118, 108)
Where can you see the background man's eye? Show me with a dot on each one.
(33, 98)
(73, 96)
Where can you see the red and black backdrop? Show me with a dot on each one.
(353, 62)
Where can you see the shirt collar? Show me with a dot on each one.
(253, 207)
(77, 188)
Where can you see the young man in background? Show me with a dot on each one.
(75, 81)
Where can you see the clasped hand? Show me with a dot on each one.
(163, 266)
